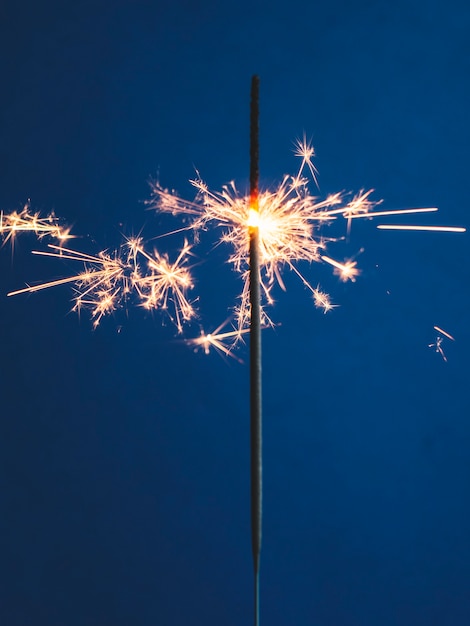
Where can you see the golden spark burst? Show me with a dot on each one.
(110, 279)
(291, 223)
(25, 221)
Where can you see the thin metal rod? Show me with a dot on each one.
(255, 349)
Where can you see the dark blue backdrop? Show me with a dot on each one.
(124, 482)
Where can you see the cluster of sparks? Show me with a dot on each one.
(25, 221)
(291, 223)
(109, 280)
(438, 343)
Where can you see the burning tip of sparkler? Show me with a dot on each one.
(26, 221)
(443, 332)
(253, 220)
(109, 280)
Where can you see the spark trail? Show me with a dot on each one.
(109, 280)
(11, 224)
(437, 345)
(292, 227)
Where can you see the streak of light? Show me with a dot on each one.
(292, 224)
(373, 214)
(443, 332)
(107, 281)
(441, 229)
(437, 345)
(222, 342)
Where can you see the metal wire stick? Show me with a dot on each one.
(255, 347)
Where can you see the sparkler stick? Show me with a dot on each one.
(255, 346)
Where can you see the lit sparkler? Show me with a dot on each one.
(291, 222)
(255, 251)
(267, 231)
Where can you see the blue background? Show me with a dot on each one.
(124, 456)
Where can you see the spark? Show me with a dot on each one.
(322, 300)
(108, 280)
(346, 271)
(25, 221)
(359, 205)
(290, 221)
(293, 226)
(443, 332)
(437, 345)
(306, 152)
(167, 282)
(441, 229)
(222, 342)
(373, 214)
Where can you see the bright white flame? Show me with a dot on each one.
(253, 220)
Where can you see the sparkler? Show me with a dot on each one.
(437, 345)
(268, 231)
(288, 221)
